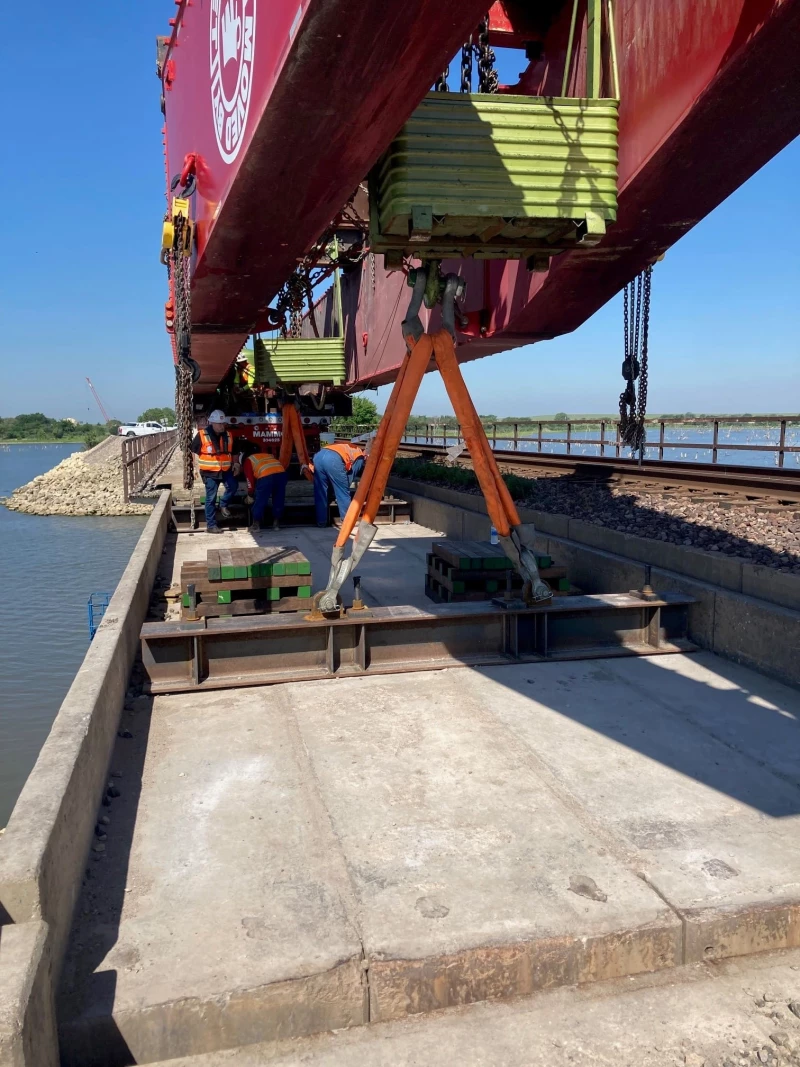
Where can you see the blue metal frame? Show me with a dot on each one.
(95, 609)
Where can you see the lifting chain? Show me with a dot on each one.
(178, 266)
(466, 66)
(290, 303)
(487, 74)
(636, 329)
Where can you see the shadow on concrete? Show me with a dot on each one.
(88, 1034)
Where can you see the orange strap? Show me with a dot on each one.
(499, 504)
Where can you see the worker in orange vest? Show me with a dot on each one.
(335, 467)
(213, 447)
(266, 479)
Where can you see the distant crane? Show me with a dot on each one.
(103, 411)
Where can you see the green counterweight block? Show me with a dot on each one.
(497, 177)
(300, 359)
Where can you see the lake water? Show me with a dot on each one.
(685, 438)
(50, 564)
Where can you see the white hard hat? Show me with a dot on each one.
(217, 416)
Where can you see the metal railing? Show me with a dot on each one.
(142, 457)
(95, 610)
(609, 441)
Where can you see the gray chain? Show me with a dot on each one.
(184, 390)
(487, 74)
(636, 330)
(466, 66)
(440, 85)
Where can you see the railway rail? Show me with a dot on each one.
(732, 483)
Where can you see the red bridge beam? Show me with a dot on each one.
(328, 85)
(710, 93)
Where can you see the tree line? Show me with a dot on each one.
(38, 427)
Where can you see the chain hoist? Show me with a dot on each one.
(176, 251)
(636, 330)
(487, 74)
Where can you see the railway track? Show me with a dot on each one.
(721, 483)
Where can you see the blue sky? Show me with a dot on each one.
(82, 188)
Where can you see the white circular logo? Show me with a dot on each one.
(233, 36)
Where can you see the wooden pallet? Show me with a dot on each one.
(436, 592)
(246, 581)
(471, 571)
(226, 564)
(209, 610)
(489, 582)
(478, 556)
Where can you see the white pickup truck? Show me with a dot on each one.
(141, 429)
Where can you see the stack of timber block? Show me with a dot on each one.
(245, 581)
(460, 571)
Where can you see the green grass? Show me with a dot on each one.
(455, 477)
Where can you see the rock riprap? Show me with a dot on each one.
(76, 487)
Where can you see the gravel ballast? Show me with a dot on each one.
(768, 538)
(760, 534)
(78, 486)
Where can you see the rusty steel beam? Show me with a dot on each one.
(269, 649)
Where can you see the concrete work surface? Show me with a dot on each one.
(314, 856)
(703, 1015)
(392, 571)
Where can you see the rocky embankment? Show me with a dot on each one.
(85, 483)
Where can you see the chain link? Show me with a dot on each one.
(440, 85)
(466, 66)
(184, 377)
(290, 302)
(636, 330)
(487, 74)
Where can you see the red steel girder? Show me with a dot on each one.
(329, 85)
(710, 93)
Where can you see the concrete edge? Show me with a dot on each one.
(719, 933)
(410, 987)
(300, 1007)
(752, 631)
(27, 1013)
(43, 849)
(729, 572)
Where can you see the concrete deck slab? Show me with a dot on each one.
(677, 763)
(700, 1014)
(460, 856)
(220, 903)
(430, 840)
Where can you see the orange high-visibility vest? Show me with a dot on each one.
(264, 465)
(212, 461)
(349, 453)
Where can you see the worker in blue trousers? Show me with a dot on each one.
(335, 467)
(213, 447)
(266, 480)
